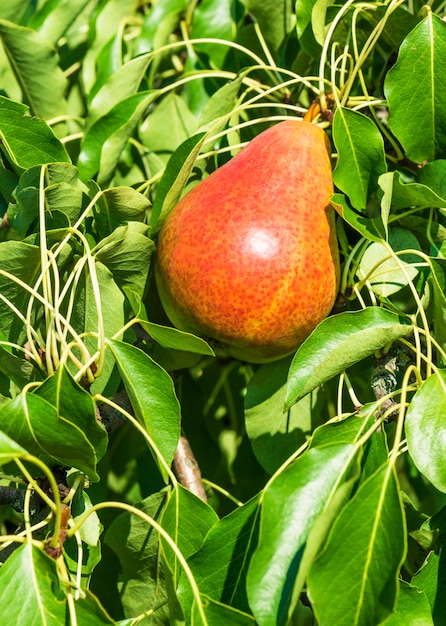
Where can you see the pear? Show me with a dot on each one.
(249, 256)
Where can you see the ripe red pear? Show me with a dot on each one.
(249, 256)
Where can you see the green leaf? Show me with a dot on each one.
(63, 194)
(27, 141)
(141, 579)
(86, 317)
(361, 157)
(218, 614)
(426, 429)
(339, 342)
(174, 179)
(290, 506)
(9, 449)
(384, 274)
(89, 611)
(415, 83)
(127, 253)
(438, 282)
(222, 102)
(35, 64)
(187, 520)
(371, 228)
(433, 176)
(362, 558)
(220, 566)
(117, 206)
(152, 395)
(123, 83)
(159, 23)
(36, 424)
(75, 406)
(412, 608)
(169, 337)
(106, 138)
(30, 575)
(55, 18)
(214, 19)
(273, 432)
(401, 195)
(430, 580)
(173, 112)
(274, 18)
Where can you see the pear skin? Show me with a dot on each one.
(249, 256)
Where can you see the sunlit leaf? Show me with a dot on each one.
(274, 18)
(361, 158)
(426, 429)
(36, 424)
(220, 566)
(415, 116)
(152, 395)
(175, 177)
(361, 561)
(339, 342)
(27, 141)
(106, 138)
(370, 228)
(30, 575)
(35, 63)
(290, 507)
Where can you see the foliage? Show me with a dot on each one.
(325, 471)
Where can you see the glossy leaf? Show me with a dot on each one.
(426, 430)
(74, 405)
(361, 560)
(55, 18)
(123, 83)
(220, 566)
(175, 177)
(35, 63)
(290, 507)
(339, 342)
(169, 337)
(127, 253)
(30, 575)
(86, 317)
(174, 112)
(415, 116)
(36, 424)
(19, 131)
(430, 581)
(371, 228)
(187, 520)
(107, 137)
(361, 158)
(152, 395)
